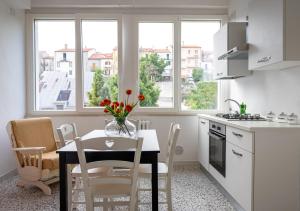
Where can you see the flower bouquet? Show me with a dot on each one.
(120, 126)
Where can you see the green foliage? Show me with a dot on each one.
(204, 96)
(103, 88)
(197, 74)
(154, 65)
(148, 88)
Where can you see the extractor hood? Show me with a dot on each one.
(231, 51)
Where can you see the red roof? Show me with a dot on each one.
(101, 56)
(73, 50)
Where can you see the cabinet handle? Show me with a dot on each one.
(237, 134)
(236, 153)
(264, 59)
(218, 74)
(203, 122)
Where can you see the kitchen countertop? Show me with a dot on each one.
(251, 126)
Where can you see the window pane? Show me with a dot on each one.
(100, 61)
(156, 64)
(55, 65)
(198, 89)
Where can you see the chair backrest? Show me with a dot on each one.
(172, 141)
(110, 143)
(67, 133)
(34, 132)
(144, 124)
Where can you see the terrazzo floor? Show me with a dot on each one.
(192, 190)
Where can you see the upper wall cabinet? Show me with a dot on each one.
(274, 34)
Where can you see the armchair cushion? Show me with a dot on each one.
(34, 132)
(50, 160)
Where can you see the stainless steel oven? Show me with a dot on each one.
(217, 146)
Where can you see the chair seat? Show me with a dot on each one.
(106, 190)
(146, 169)
(76, 172)
(50, 160)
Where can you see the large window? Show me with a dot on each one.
(54, 65)
(198, 89)
(168, 59)
(100, 61)
(156, 64)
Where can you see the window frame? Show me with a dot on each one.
(223, 86)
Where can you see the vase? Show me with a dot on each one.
(120, 126)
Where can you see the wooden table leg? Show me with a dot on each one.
(154, 184)
(63, 192)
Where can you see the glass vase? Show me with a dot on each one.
(120, 127)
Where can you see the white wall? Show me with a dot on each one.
(187, 139)
(265, 90)
(12, 77)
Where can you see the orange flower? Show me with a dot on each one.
(141, 97)
(128, 108)
(128, 91)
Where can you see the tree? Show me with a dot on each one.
(197, 74)
(204, 96)
(154, 65)
(95, 93)
(148, 87)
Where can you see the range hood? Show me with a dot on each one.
(231, 51)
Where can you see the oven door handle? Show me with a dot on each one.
(215, 136)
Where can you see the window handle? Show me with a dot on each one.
(202, 122)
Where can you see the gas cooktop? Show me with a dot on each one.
(241, 117)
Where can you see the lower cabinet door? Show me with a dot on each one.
(239, 175)
(203, 143)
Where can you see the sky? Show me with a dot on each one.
(53, 35)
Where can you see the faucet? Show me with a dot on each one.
(234, 102)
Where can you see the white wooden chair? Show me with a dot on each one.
(165, 169)
(67, 134)
(110, 186)
(35, 148)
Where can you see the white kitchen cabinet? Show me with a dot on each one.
(239, 175)
(203, 143)
(273, 34)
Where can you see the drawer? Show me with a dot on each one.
(240, 138)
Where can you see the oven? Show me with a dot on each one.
(217, 146)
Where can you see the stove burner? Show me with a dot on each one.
(241, 117)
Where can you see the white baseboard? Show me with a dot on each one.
(8, 175)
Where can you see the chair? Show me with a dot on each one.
(35, 148)
(67, 133)
(164, 168)
(111, 186)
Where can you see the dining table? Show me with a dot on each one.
(149, 155)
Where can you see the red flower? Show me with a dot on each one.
(105, 102)
(118, 111)
(105, 110)
(121, 104)
(141, 97)
(116, 103)
(128, 108)
(128, 91)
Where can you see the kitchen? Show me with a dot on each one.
(247, 143)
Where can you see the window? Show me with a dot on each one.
(156, 64)
(168, 59)
(100, 47)
(54, 90)
(198, 89)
